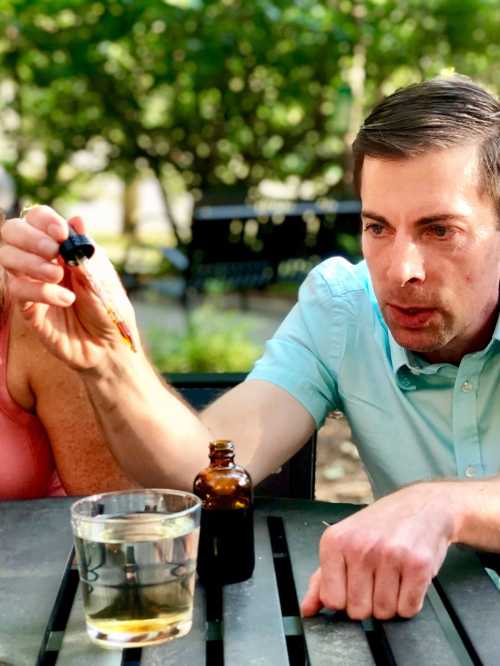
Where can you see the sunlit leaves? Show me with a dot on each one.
(224, 91)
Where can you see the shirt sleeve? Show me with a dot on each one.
(304, 355)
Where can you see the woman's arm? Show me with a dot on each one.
(156, 438)
(39, 382)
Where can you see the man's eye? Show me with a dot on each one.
(374, 228)
(439, 231)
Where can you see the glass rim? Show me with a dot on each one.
(149, 517)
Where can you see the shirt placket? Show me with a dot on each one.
(465, 420)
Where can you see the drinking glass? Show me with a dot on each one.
(136, 553)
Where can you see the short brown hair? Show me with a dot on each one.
(433, 115)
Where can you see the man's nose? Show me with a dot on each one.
(406, 263)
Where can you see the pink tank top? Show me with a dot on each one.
(27, 468)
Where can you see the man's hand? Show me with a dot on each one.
(57, 301)
(380, 561)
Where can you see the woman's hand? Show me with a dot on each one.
(58, 301)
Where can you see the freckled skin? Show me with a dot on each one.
(435, 244)
(41, 384)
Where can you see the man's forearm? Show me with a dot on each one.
(475, 505)
(154, 436)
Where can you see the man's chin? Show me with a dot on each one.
(422, 342)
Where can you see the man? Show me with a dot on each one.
(405, 344)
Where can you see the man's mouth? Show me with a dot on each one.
(410, 317)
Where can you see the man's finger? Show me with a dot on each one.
(386, 591)
(414, 585)
(311, 603)
(360, 585)
(333, 590)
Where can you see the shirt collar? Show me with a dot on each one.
(496, 332)
(399, 355)
(405, 363)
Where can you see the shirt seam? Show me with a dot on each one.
(342, 291)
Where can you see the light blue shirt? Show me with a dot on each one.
(411, 420)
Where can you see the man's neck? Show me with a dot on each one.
(454, 353)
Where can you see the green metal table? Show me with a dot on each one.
(255, 623)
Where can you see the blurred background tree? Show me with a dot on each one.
(214, 99)
(215, 94)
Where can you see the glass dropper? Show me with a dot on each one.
(76, 251)
(99, 291)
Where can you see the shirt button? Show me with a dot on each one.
(467, 386)
(470, 471)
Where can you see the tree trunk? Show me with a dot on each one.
(166, 200)
(356, 77)
(130, 208)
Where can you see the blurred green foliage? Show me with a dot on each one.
(214, 341)
(214, 93)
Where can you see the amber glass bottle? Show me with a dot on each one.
(226, 551)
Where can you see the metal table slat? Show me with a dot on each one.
(408, 648)
(187, 650)
(252, 613)
(474, 600)
(77, 649)
(347, 643)
(36, 539)
(34, 548)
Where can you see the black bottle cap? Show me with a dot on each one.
(75, 248)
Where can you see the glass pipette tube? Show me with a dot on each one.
(107, 302)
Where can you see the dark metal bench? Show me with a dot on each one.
(295, 478)
(247, 247)
(242, 247)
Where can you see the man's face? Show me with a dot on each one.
(432, 247)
